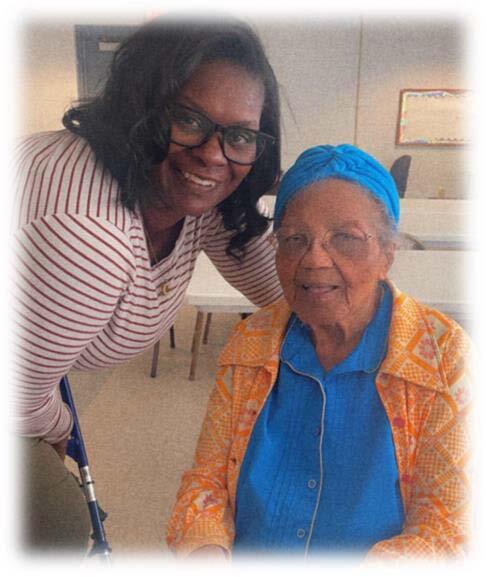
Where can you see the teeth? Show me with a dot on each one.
(198, 180)
(319, 288)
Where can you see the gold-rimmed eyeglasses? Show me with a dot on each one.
(351, 245)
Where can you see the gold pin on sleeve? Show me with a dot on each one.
(165, 288)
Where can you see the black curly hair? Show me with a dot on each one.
(128, 130)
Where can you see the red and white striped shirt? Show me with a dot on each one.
(86, 294)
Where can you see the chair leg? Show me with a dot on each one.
(155, 359)
(207, 329)
(193, 344)
(172, 337)
(195, 349)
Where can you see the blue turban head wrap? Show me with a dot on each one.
(345, 162)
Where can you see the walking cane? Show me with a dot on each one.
(77, 451)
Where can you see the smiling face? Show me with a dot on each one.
(327, 290)
(192, 181)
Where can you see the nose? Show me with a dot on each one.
(211, 151)
(317, 255)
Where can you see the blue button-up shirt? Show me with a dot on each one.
(320, 473)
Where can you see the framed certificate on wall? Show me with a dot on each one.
(433, 117)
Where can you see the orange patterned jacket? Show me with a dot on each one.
(424, 385)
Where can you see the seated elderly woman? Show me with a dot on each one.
(338, 419)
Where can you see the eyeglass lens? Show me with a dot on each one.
(239, 144)
(338, 243)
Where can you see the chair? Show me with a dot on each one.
(194, 347)
(406, 241)
(400, 172)
(155, 352)
(77, 451)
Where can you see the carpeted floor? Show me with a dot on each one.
(141, 432)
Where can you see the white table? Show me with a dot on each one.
(436, 278)
(439, 224)
(441, 205)
(210, 293)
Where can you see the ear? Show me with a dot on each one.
(388, 253)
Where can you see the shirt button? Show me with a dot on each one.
(311, 483)
(317, 431)
(300, 533)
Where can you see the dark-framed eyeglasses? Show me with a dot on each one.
(339, 244)
(239, 144)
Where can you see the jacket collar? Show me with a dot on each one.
(256, 341)
(413, 353)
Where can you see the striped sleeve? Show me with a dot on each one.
(70, 273)
(255, 275)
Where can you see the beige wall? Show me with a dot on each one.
(47, 75)
(340, 82)
(316, 66)
(411, 54)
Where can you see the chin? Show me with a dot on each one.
(320, 315)
(196, 202)
(196, 209)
